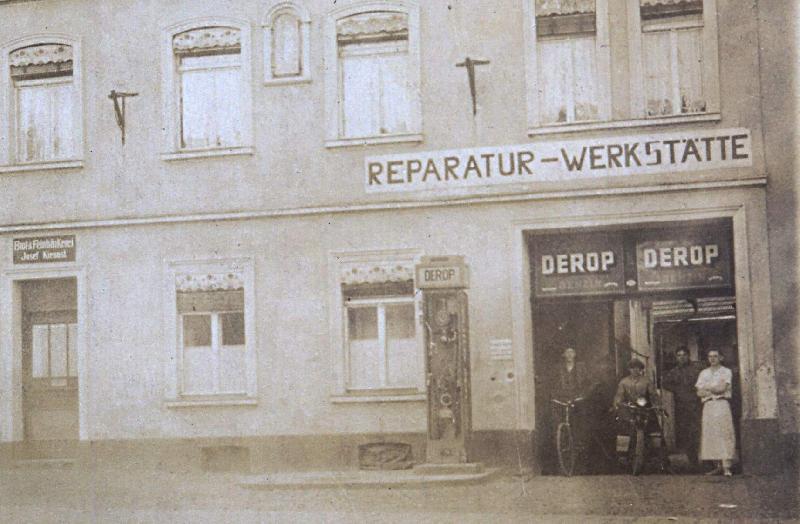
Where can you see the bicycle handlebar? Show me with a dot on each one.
(567, 404)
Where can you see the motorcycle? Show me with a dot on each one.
(644, 437)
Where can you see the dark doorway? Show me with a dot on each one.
(587, 327)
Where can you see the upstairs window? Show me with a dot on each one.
(45, 108)
(376, 53)
(286, 44)
(373, 53)
(207, 89)
(675, 58)
(672, 42)
(569, 61)
(209, 63)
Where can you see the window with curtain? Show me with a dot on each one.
(211, 334)
(567, 62)
(382, 350)
(209, 66)
(45, 103)
(672, 48)
(374, 91)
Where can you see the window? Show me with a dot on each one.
(676, 61)
(381, 342)
(376, 77)
(53, 354)
(569, 62)
(209, 99)
(213, 328)
(44, 104)
(286, 44)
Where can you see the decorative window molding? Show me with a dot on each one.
(207, 56)
(377, 339)
(574, 35)
(287, 37)
(41, 99)
(372, 73)
(673, 58)
(210, 332)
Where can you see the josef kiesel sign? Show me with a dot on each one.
(34, 250)
(559, 161)
(698, 260)
(578, 265)
(442, 272)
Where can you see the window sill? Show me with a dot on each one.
(373, 140)
(289, 80)
(207, 153)
(377, 396)
(188, 402)
(623, 124)
(42, 166)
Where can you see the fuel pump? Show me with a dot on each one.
(442, 281)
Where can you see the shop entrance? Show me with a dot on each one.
(48, 336)
(641, 292)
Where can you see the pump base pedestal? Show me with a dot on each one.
(457, 468)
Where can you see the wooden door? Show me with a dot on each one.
(50, 377)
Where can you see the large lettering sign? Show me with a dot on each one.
(578, 265)
(559, 161)
(34, 250)
(684, 261)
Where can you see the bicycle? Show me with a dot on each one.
(565, 440)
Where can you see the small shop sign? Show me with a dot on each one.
(579, 265)
(442, 272)
(36, 250)
(685, 261)
(560, 161)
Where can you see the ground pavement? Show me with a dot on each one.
(71, 495)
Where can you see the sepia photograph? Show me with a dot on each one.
(347, 261)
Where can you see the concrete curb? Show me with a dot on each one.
(360, 479)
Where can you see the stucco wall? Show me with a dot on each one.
(778, 30)
(121, 44)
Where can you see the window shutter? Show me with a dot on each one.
(372, 27)
(39, 61)
(210, 301)
(207, 41)
(565, 17)
(661, 9)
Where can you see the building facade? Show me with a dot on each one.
(212, 213)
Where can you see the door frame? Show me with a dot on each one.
(11, 411)
(748, 219)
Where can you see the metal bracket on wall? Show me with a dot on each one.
(119, 109)
(470, 64)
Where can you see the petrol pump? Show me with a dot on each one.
(442, 281)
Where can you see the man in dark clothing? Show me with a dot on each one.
(680, 380)
(571, 380)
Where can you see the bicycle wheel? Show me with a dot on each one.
(566, 449)
(638, 452)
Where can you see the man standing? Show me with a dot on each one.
(680, 381)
